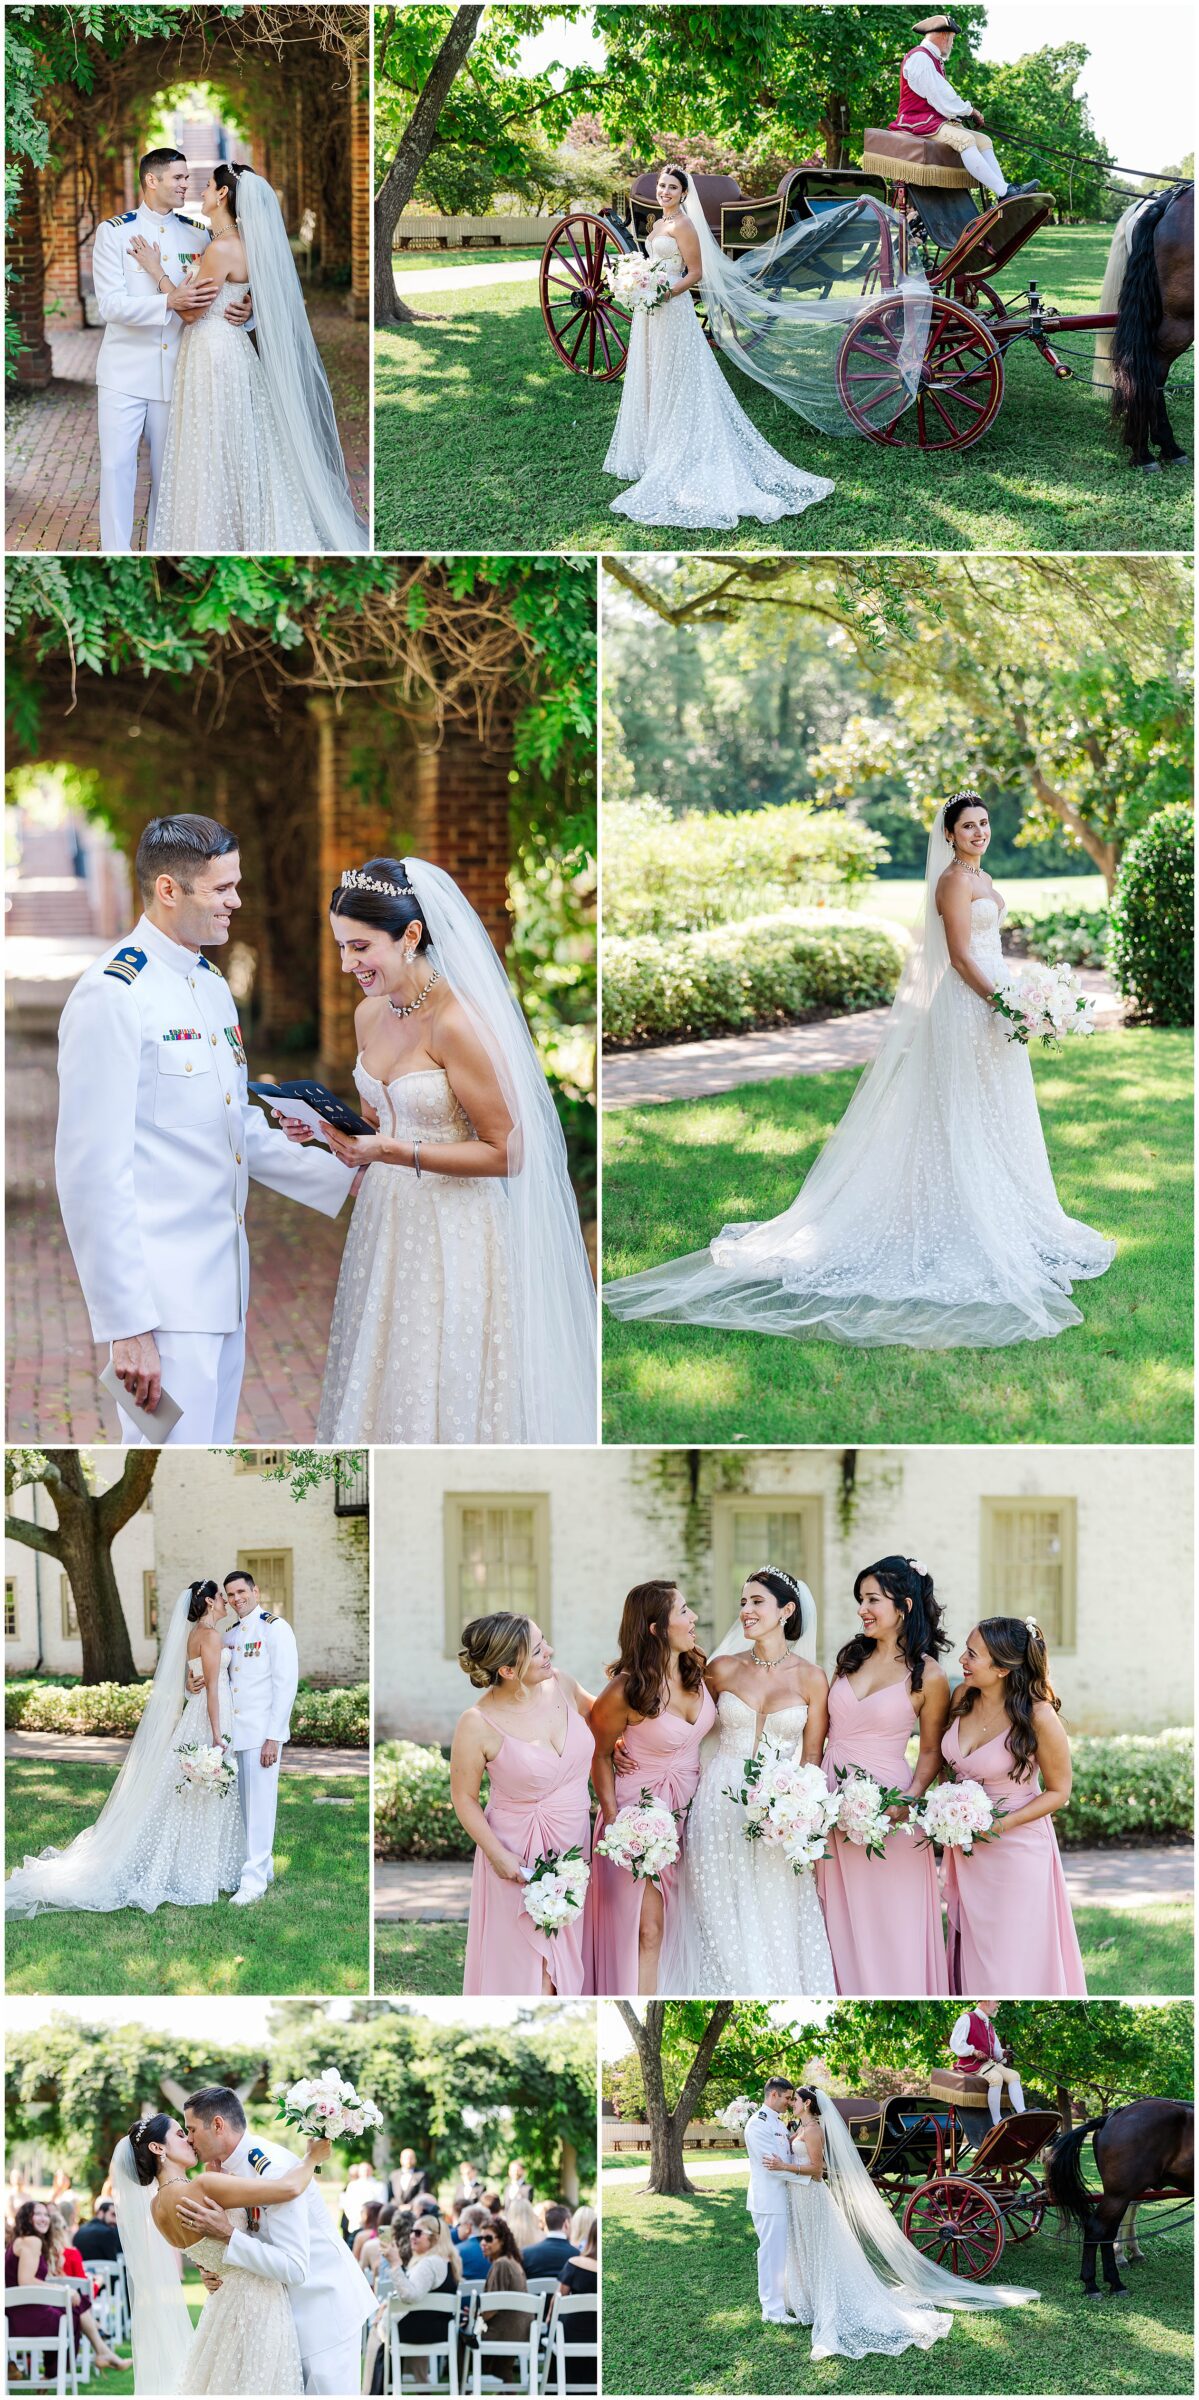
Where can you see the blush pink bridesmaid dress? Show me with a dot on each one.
(664, 1759)
(539, 1801)
(1010, 1927)
(882, 1915)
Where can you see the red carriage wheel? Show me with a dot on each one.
(956, 2223)
(1022, 2199)
(589, 332)
(960, 391)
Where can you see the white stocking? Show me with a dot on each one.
(1017, 2094)
(995, 2101)
(985, 170)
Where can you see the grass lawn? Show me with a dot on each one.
(308, 1934)
(1116, 1113)
(484, 441)
(425, 1959)
(901, 897)
(681, 2315)
(1147, 1950)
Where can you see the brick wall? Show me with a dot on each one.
(27, 259)
(358, 299)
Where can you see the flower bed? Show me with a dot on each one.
(340, 1717)
(800, 964)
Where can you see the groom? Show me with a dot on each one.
(158, 1139)
(143, 327)
(295, 2243)
(767, 2137)
(264, 1672)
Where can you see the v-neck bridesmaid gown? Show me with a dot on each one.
(1010, 1927)
(663, 1754)
(539, 1801)
(882, 1915)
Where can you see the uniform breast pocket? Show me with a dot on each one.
(186, 1088)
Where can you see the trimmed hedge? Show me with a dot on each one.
(1072, 937)
(340, 1717)
(1153, 920)
(762, 971)
(414, 1815)
(1130, 1787)
(667, 874)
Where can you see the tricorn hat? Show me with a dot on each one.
(936, 25)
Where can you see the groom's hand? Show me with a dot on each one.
(138, 1366)
(268, 1754)
(239, 312)
(203, 2215)
(211, 2282)
(193, 299)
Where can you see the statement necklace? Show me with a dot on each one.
(767, 1663)
(408, 1008)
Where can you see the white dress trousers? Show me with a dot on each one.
(765, 2136)
(263, 1674)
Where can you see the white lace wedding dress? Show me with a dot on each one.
(227, 483)
(930, 1218)
(829, 2284)
(421, 1344)
(246, 2338)
(742, 1920)
(697, 459)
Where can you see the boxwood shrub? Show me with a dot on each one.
(1153, 920)
(677, 874)
(414, 1816)
(340, 1716)
(760, 971)
(1072, 937)
(1130, 1787)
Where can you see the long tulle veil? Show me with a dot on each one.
(781, 313)
(297, 385)
(890, 2253)
(90, 1872)
(160, 2321)
(554, 1302)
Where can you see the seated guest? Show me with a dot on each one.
(472, 2264)
(100, 2237)
(432, 2267)
(549, 2255)
(408, 2180)
(369, 2254)
(579, 2281)
(38, 2254)
(523, 2219)
(504, 2274)
(371, 2214)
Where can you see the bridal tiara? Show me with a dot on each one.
(783, 1576)
(355, 879)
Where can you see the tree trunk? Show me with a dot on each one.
(834, 129)
(416, 141)
(668, 2127)
(568, 2174)
(88, 1523)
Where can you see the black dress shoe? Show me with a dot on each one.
(1020, 191)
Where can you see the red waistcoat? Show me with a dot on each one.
(915, 114)
(984, 2043)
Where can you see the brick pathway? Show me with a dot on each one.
(53, 448)
(52, 1360)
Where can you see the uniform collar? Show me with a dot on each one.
(238, 2161)
(149, 937)
(254, 1612)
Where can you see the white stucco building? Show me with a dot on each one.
(207, 1511)
(1096, 1543)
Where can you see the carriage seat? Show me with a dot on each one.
(953, 2083)
(911, 158)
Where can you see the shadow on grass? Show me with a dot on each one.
(309, 1933)
(428, 1960)
(681, 2315)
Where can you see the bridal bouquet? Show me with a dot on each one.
(862, 1812)
(325, 2106)
(787, 1804)
(639, 283)
(738, 2113)
(555, 1889)
(205, 1768)
(1043, 1004)
(643, 1837)
(957, 1815)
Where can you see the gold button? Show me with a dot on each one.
(239, 1216)
(212, 1039)
(228, 1099)
(187, 1065)
(237, 1156)
(191, 983)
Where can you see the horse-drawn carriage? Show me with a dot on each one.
(962, 2187)
(920, 224)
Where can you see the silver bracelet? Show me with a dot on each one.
(416, 1157)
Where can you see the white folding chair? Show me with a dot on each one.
(111, 2303)
(558, 2349)
(45, 2362)
(442, 2352)
(543, 2283)
(530, 2305)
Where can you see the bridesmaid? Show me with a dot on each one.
(883, 1915)
(1010, 1927)
(657, 1706)
(530, 1735)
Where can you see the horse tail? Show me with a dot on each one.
(1109, 297)
(1138, 320)
(1063, 2171)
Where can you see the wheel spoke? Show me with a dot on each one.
(943, 413)
(574, 351)
(573, 282)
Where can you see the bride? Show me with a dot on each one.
(465, 1307)
(252, 460)
(697, 458)
(246, 2338)
(851, 2274)
(930, 1217)
(743, 1921)
(158, 1837)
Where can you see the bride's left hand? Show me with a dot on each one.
(148, 256)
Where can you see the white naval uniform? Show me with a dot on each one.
(263, 1674)
(157, 1141)
(766, 2136)
(295, 2244)
(136, 366)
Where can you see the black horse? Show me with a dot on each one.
(1149, 2146)
(1155, 320)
